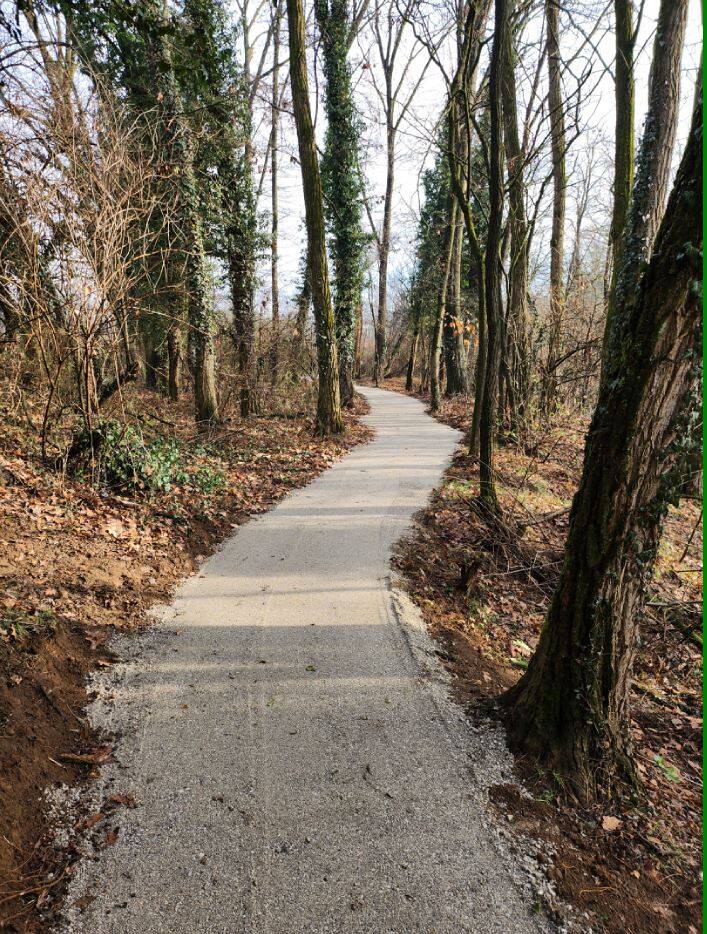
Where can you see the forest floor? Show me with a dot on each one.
(78, 561)
(633, 861)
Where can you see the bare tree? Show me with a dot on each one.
(396, 90)
(328, 407)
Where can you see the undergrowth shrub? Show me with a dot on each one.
(124, 461)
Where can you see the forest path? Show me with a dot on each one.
(296, 766)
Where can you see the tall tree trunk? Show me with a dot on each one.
(480, 368)
(179, 151)
(517, 341)
(462, 94)
(437, 330)
(559, 203)
(571, 707)
(342, 188)
(624, 143)
(328, 405)
(274, 223)
(654, 156)
(494, 310)
(454, 350)
(242, 245)
(384, 247)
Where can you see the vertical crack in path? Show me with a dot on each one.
(292, 765)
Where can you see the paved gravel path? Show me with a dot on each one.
(296, 764)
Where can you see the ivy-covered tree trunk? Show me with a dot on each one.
(341, 180)
(558, 142)
(329, 419)
(571, 707)
(178, 146)
(220, 93)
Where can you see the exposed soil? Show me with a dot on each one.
(633, 861)
(76, 563)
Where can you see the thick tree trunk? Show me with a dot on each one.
(492, 283)
(179, 151)
(571, 708)
(328, 405)
(559, 203)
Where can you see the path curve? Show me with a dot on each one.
(294, 769)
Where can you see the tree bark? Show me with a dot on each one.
(571, 707)
(559, 203)
(174, 362)
(304, 300)
(480, 368)
(329, 419)
(462, 91)
(384, 247)
(455, 357)
(492, 284)
(624, 143)
(274, 223)
(654, 157)
(179, 150)
(410, 372)
(517, 341)
(438, 324)
(342, 188)
(242, 238)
